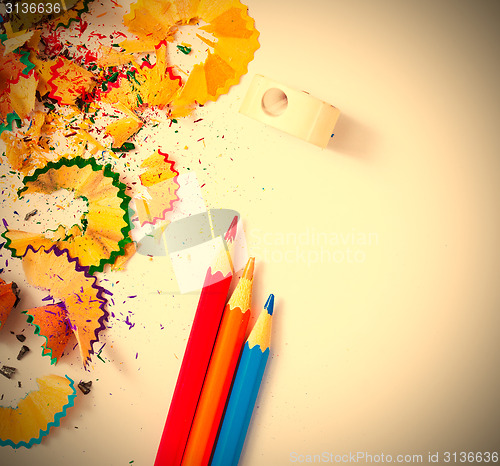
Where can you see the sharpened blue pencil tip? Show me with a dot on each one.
(269, 307)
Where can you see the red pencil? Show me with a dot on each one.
(195, 362)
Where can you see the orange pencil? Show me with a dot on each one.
(220, 372)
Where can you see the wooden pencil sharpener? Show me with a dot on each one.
(295, 112)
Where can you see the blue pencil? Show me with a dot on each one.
(245, 388)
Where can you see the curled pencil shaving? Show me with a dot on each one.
(121, 261)
(37, 413)
(236, 41)
(69, 81)
(72, 15)
(122, 129)
(9, 297)
(160, 181)
(18, 85)
(51, 322)
(82, 308)
(28, 147)
(105, 227)
(144, 85)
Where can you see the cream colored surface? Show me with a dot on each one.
(382, 249)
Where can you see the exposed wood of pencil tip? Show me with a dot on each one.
(249, 268)
(242, 294)
(222, 262)
(261, 332)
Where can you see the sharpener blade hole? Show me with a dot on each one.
(274, 102)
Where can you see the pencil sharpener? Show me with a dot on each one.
(295, 112)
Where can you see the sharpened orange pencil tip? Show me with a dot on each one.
(248, 272)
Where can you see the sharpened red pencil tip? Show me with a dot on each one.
(231, 231)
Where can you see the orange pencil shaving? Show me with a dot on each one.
(220, 372)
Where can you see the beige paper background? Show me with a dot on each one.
(392, 351)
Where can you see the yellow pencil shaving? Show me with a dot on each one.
(138, 46)
(207, 41)
(85, 136)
